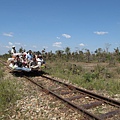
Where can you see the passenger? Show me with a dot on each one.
(13, 50)
(11, 65)
(24, 60)
(18, 62)
(29, 56)
(14, 53)
(40, 60)
(25, 53)
(33, 63)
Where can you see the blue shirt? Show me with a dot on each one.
(29, 56)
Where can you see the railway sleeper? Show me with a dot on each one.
(92, 105)
(109, 114)
(75, 97)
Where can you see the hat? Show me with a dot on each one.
(13, 46)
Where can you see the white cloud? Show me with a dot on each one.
(18, 43)
(7, 46)
(34, 46)
(66, 35)
(10, 43)
(58, 37)
(8, 34)
(100, 33)
(81, 44)
(57, 44)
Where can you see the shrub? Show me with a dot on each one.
(87, 77)
(8, 93)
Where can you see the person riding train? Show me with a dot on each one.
(13, 50)
(26, 61)
(29, 56)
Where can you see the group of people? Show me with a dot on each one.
(26, 61)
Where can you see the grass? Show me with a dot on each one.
(101, 77)
(9, 92)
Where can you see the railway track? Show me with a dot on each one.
(85, 101)
(94, 106)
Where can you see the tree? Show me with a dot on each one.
(117, 53)
(88, 55)
(9, 52)
(67, 50)
(43, 51)
(99, 53)
(107, 45)
(21, 50)
(59, 53)
(38, 53)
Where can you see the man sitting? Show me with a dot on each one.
(33, 64)
(18, 61)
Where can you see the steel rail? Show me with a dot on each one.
(91, 94)
(65, 100)
(81, 108)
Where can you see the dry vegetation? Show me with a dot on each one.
(98, 72)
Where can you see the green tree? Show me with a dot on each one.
(99, 53)
(87, 53)
(67, 51)
(21, 50)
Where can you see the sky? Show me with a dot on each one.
(57, 24)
